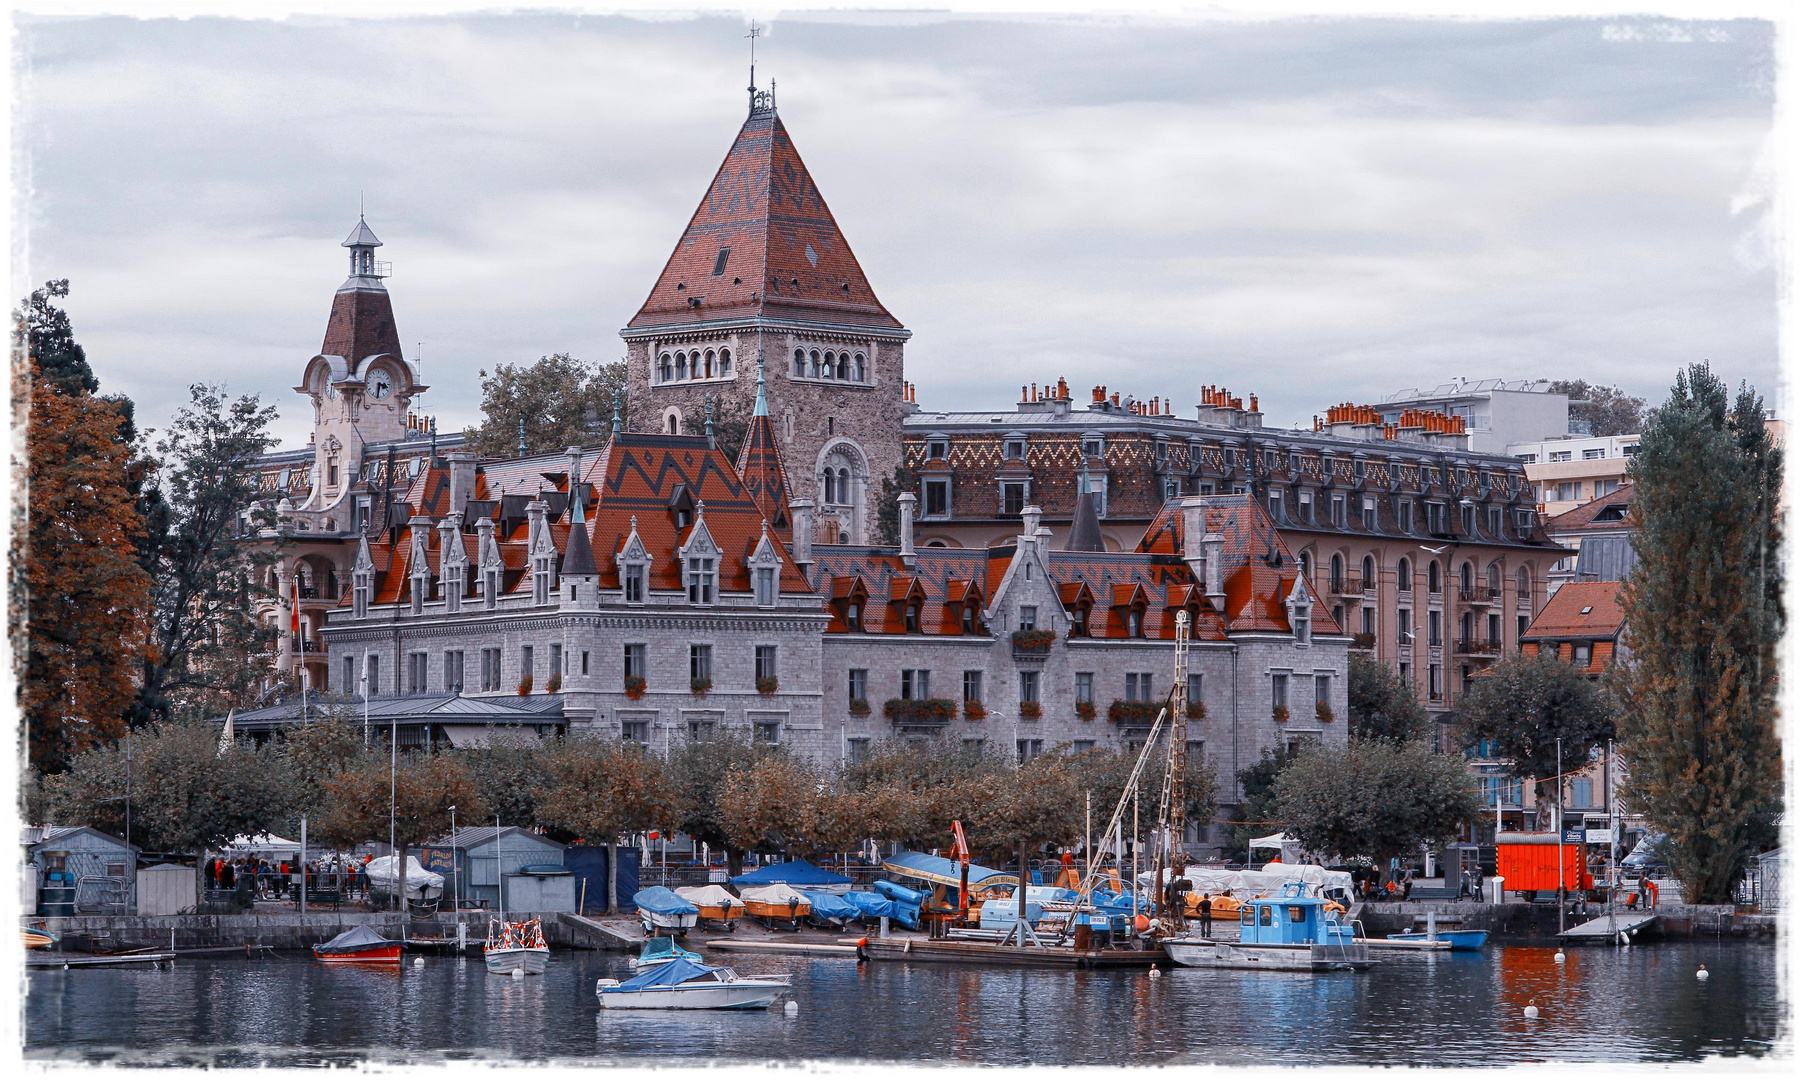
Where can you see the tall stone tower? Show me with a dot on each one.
(762, 274)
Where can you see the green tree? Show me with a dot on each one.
(1382, 705)
(423, 788)
(560, 401)
(1607, 410)
(700, 766)
(601, 788)
(312, 754)
(1258, 813)
(51, 340)
(1703, 616)
(1380, 798)
(508, 772)
(887, 510)
(1524, 705)
(207, 560)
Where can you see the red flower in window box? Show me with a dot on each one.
(1279, 714)
(1324, 712)
(859, 706)
(700, 686)
(1197, 710)
(634, 686)
(973, 710)
(525, 686)
(1030, 710)
(766, 684)
(1085, 710)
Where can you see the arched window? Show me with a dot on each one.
(844, 365)
(681, 365)
(675, 424)
(1307, 566)
(857, 372)
(1525, 584)
(825, 369)
(813, 363)
(912, 618)
(1337, 573)
(1404, 576)
(844, 486)
(800, 363)
(831, 488)
(667, 371)
(1369, 573)
(1135, 623)
(725, 363)
(1433, 584)
(1494, 580)
(709, 367)
(1466, 577)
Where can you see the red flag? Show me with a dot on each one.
(294, 619)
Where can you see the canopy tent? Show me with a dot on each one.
(923, 867)
(1246, 884)
(265, 844)
(799, 874)
(1274, 840)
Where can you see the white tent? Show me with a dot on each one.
(263, 844)
(1274, 840)
(421, 884)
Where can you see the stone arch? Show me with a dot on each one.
(672, 421)
(847, 484)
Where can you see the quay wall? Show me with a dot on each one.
(1539, 921)
(279, 930)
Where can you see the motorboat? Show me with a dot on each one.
(515, 946)
(777, 905)
(686, 984)
(1461, 940)
(715, 903)
(796, 874)
(661, 950)
(38, 939)
(1290, 931)
(829, 911)
(358, 945)
(661, 908)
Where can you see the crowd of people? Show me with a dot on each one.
(278, 879)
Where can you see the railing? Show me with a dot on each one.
(1470, 647)
(1347, 587)
(1363, 641)
(1479, 595)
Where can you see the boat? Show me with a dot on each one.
(777, 904)
(828, 911)
(358, 945)
(797, 874)
(38, 939)
(515, 946)
(715, 903)
(871, 906)
(1287, 932)
(907, 902)
(1461, 940)
(661, 908)
(421, 884)
(661, 950)
(685, 984)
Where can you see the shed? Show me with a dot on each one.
(475, 859)
(100, 869)
(167, 889)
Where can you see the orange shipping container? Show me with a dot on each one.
(1529, 863)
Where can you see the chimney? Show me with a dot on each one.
(1213, 549)
(462, 480)
(907, 501)
(1031, 515)
(803, 535)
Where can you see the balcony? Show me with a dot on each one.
(1480, 595)
(1471, 647)
(1363, 642)
(920, 712)
(1348, 587)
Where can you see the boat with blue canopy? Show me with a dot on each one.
(659, 907)
(661, 950)
(687, 984)
(797, 874)
(833, 911)
(1290, 931)
(948, 872)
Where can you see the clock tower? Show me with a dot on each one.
(362, 387)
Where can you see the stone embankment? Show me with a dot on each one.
(291, 930)
(1539, 921)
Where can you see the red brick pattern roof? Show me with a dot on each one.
(765, 478)
(1257, 569)
(361, 325)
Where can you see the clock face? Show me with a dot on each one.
(381, 384)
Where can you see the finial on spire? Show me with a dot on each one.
(522, 436)
(617, 426)
(762, 408)
(575, 493)
(434, 441)
(711, 444)
(759, 102)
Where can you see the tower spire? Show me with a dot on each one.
(754, 31)
(762, 408)
(616, 424)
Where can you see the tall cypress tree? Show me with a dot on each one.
(1704, 613)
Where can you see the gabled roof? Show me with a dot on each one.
(778, 251)
(1610, 511)
(1257, 570)
(1581, 610)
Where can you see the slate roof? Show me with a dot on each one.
(765, 477)
(502, 709)
(787, 257)
(1581, 610)
(361, 324)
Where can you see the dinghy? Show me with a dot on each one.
(516, 946)
(684, 984)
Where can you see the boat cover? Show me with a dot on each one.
(900, 894)
(357, 937)
(873, 905)
(939, 871)
(674, 973)
(420, 882)
(800, 874)
(779, 893)
(663, 901)
(827, 906)
(662, 946)
(709, 896)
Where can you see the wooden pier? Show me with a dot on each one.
(813, 948)
(981, 952)
(81, 960)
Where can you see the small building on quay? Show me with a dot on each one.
(79, 870)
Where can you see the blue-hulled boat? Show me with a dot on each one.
(1461, 940)
(907, 902)
(659, 951)
(1290, 931)
(823, 908)
(871, 905)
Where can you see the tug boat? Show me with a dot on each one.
(1288, 932)
(684, 984)
(515, 946)
(358, 945)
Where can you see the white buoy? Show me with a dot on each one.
(418, 961)
(518, 973)
(1702, 974)
(791, 1007)
(1559, 957)
(1155, 974)
(1532, 1012)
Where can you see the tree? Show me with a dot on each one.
(1379, 798)
(424, 788)
(560, 400)
(207, 561)
(508, 772)
(765, 804)
(1103, 775)
(599, 788)
(699, 766)
(1258, 813)
(1607, 410)
(185, 795)
(1703, 616)
(78, 589)
(51, 342)
(1525, 704)
(313, 754)
(913, 789)
(887, 511)
(1382, 705)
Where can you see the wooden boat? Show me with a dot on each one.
(777, 905)
(1291, 932)
(715, 903)
(515, 946)
(38, 939)
(358, 945)
(684, 984)
(661, 950)
(1461, 940)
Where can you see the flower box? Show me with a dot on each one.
(973, 710)
(1324, 712)
(920, 710)
(525, 686)
(1030, 710)
(859, 706)
(1279, 714)
(553, 684)
(766, 684)
(700, 686)
(1197, 710)
(1085, 710)
(634, 686)
(1132, 712)
(1033, 640)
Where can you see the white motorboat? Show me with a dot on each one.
(516, 946)
(684, 984)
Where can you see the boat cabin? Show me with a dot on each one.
(1289, 918)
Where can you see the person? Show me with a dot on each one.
(1206, 915)
(1407, 884)
(228, 878)
(1177, 892)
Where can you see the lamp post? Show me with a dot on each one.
(455, 898)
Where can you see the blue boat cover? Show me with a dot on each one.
(797, 874)
(663, 901)
(674, 973)
(873, 905)
(661, 946)
(827, 906)
(900, 893)
(917, 864)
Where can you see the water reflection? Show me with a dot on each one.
(1641, 1003)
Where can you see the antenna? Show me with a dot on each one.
(754, 31)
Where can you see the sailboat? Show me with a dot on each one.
(512, 946)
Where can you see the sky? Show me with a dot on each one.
(1312, 210)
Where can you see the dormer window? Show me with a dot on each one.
(1078, 622)
(1093, 446)
(703, 577)
(938, 449)
(969, 619)
(912, 618)
(633, 579)
(1135, 623)
(1015, 449)
(853, 617)
(764, 586)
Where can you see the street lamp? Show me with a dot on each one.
(455, 899)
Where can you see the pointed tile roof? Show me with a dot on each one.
(762, 243)
(1085, 530)
(764, 476)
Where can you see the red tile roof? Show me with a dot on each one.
(1603, 508)
(1581, 610)
(1257, 569)
(765, 477)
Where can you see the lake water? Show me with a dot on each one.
(1634, 1004)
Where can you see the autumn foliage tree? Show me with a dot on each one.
(425, 787)
(601, 788)
(786, 804)
(1703, 617)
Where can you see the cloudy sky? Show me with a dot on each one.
(1313, 211)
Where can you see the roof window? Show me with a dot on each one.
(719, 263)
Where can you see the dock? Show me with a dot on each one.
(813, 948)
(981, 952)
(1415, 946)
(593, 934)
(78, 960)
(1605, 930)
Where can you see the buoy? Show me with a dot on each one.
(1559, 957)
(1702, 974)
(1624, 940)
(418, 961)
(518, 973)
(1532, 1012)
(791, 1007)
(1155, 974)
